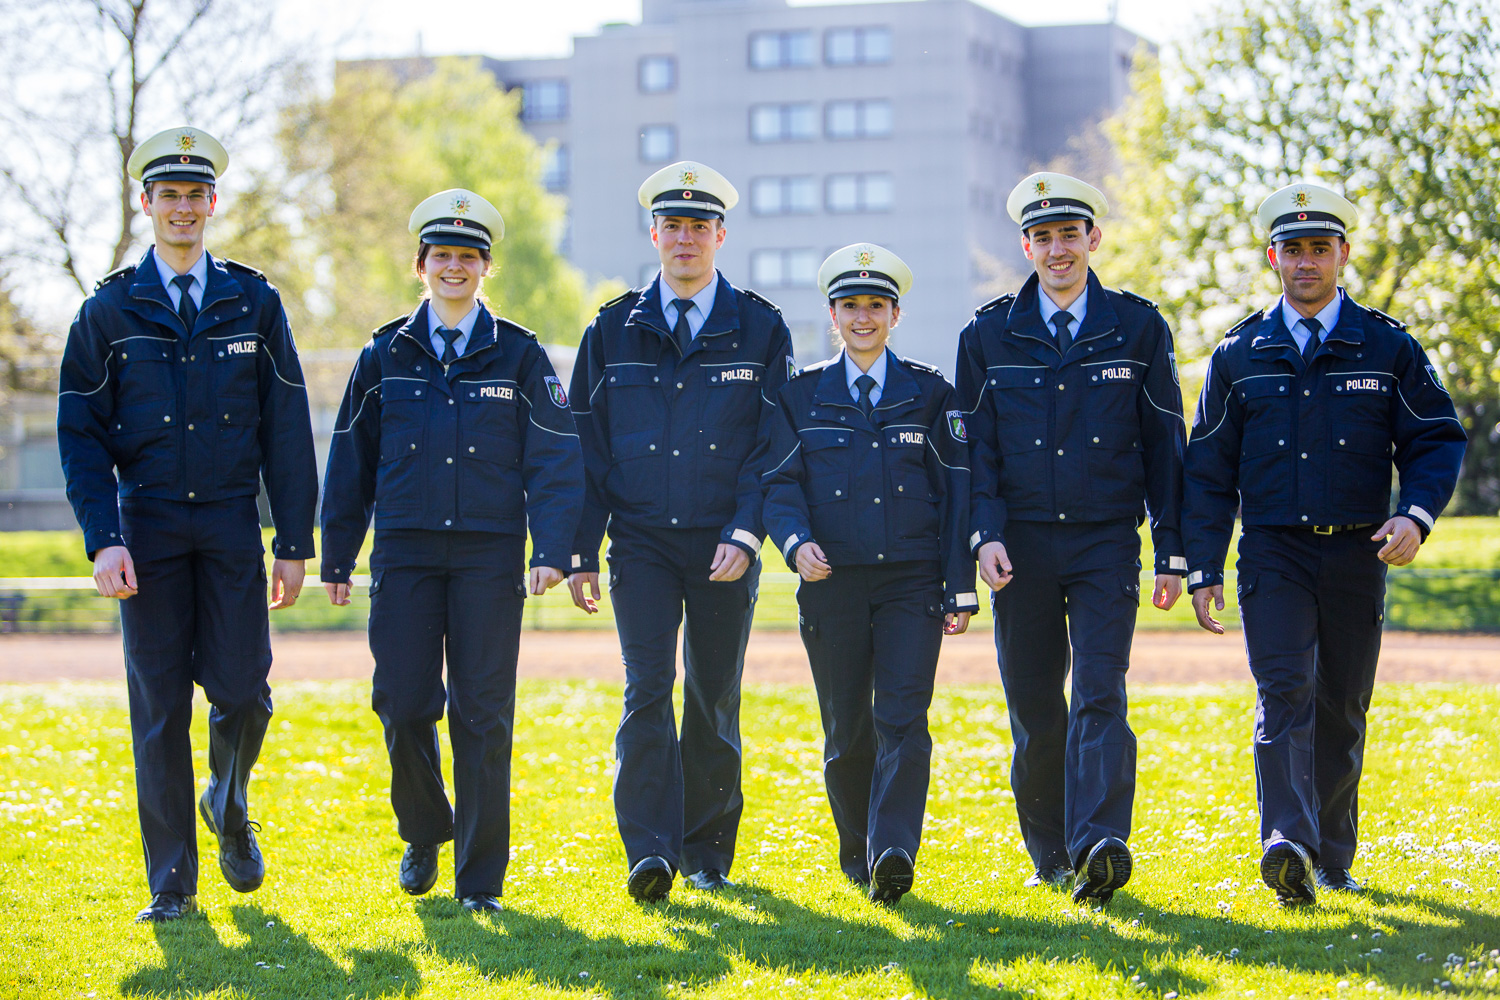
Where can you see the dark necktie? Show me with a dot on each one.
(681, 332)
(449, 336)
(187, 309)
(1060, 321)
(866, 385)
(1315, 330)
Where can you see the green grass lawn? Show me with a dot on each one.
(331, 922)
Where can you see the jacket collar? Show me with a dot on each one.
(725, 316)
(147, 290)
(1272, 336)
(418, 329)
(1024, 326)
(899, 389)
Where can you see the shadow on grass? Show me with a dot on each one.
(275, 962)
(948, 952)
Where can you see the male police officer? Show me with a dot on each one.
(181, 376)
(1295, 427)
(1076, 419)
(672, 393)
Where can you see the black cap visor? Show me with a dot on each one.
(1300, 225)
(852, 283)
(456, 233)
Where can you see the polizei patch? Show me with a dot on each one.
(956, 426)
(241, 346)
(497, 392)
(555, 390)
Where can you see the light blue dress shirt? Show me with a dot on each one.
(1328, 316)
(465, 327)
(703, 304)
(198, 272)
(876, 372)
(1077, 310)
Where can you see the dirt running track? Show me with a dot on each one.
(774, 657)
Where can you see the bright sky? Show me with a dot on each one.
(512, 28)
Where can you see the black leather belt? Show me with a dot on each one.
(1332, 529)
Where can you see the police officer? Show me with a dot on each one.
(180, 376)
(1304, 406)
(672, 395)
(456, 433)
(1076, 417)
(867, 497)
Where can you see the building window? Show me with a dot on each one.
(658, 74)
(857, 46)
(658, 143)
(783, 195)
(859, 193)
(544, 100)
(781, 49)
(783, 122)
(555, 164)
(857, 119)
(784, 268)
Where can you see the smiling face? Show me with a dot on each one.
(1060, 253)
(1309, 267)
(864, 323)
(179, 212)
(452, 274)
(687, 247)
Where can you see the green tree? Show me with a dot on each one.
(1394, 104)
(389, 136)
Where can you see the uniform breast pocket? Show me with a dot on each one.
(1360, 459)
(238, 453)
(1018, 394)
(828, 507)
(915, 504)
(634, 398)
(403, 406)
(138, 442)
(145, 371)
(1024, 474)
(638, 473)
(1112, 389)
(490, 407)
(490, 476)
(236, 365)
(1114, 457)
(1266, 398)
(733, 395)
(398, 477)
(825, 451)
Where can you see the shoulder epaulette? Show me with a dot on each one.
(1138, 298)
(921, 366)
(244, 267)
(388, 326)
(1389, 319)
(756, 296)
(517, 327)
(118, 272)
(1245, 322)
(996, 302)
(620, 298)
(816, 366)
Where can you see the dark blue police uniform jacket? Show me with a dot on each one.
(194, 419)
(489, 445)
(673, 441)
(1305, 448)
(893, 488)
(1084, 437)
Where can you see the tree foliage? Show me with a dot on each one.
(388, 137)
(1394, 104)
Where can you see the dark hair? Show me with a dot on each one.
(420, 259)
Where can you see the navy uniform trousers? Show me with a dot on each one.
(459, 593)
(1313, 607)
(1075, 585)
(873, 634)
(678, 798)
(199, 617)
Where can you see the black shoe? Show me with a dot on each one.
(892, 876)
(239, 854)
(650, 880)
(1287, 867)
(481, 902)
(1331, 879)
(419, 867)
(1051, 876)
(709, 880)
(1105, 868)
(167, 906)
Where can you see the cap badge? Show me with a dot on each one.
(1301, 216)
(1301, 199)
(864, 259)
(1043, 187)
(184, 159)
(687, 194)
(461, 205)
(459, 223)
(864, 274)
(689, 177)
(186, 141)
(1046, 204)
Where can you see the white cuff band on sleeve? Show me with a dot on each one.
(1195, 577)
(973, 540)
(1177, 562)
(790, 541)
(578, 562)
(745, 538)
(1421, 515)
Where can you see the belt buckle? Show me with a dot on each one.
(1323, 529)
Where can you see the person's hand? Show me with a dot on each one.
(1405, 540)
(576, 583)
(730, 563)
(543, 579)
(956, 623)
(1201, 597)
(812, 565)
(286, 582)
(1166, 590)
(994, 565)
(338, 593)
(114, 572)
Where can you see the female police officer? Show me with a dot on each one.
(456, 433)
(867, 498)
